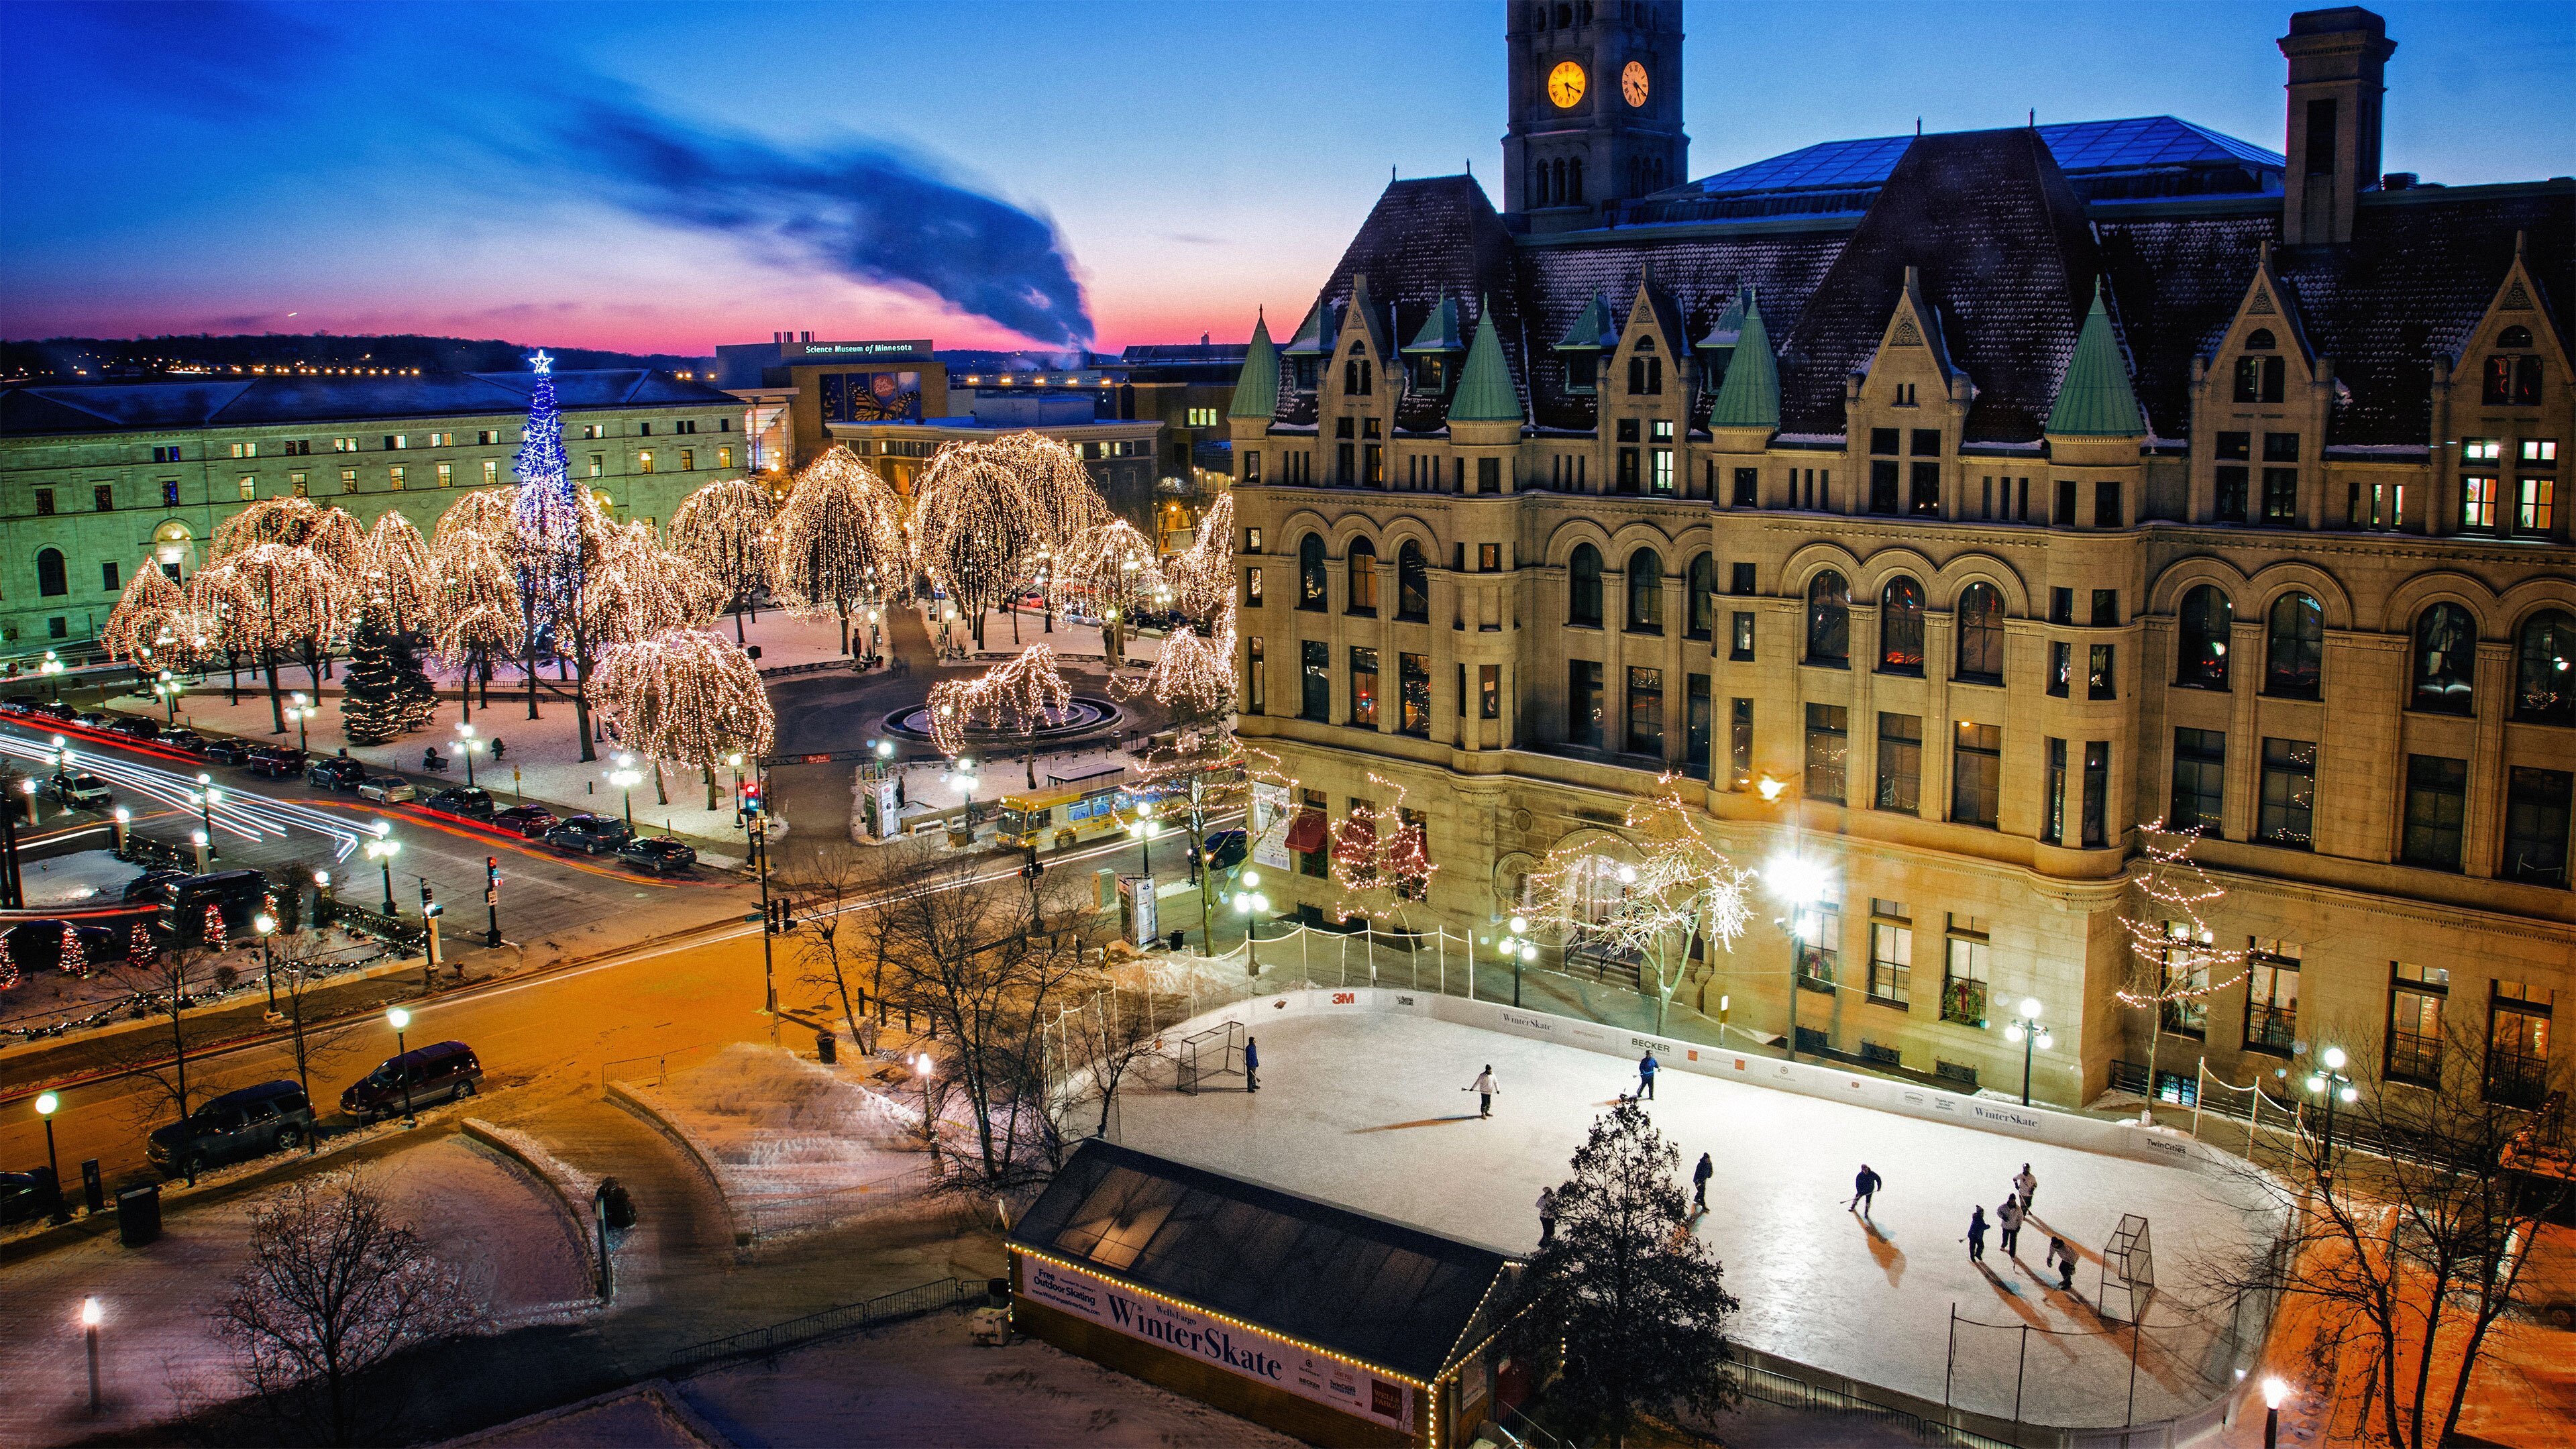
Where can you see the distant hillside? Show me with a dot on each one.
(94, 359)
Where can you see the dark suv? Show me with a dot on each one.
(589, 834)
(659, 854)
(465, 800)
(338, 772)
(278, 762)
(440, 1073)
(234, 1127)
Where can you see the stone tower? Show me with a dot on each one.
(1596, 108)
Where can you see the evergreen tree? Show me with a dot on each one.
(372, 708)
(415, 698)
(75, 956)
(1629, 1294)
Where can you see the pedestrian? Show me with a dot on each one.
(1546, 1216)
(1699, 1182)
(1252, 1064)
(1865, 1186)
(1484, 1087)
(497, 748)
(1646, 1069)
(1976, 1235)
(2063, 1257)
(2025, 1184)
(2008, 1217)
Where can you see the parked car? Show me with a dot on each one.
(440, 1073)
(466, 800)
(186, 742)
(54, 707)
(1225, 850)
(528, 822)
(18, 704)
(147, 886)
(223, 752)
(234, 1127)
(392, 789)
(589, 834)
(94, 718)
(336, 772)
(239, 894)
(80, 790)
(277, 762)
(659, 854)
(26, 1196)
(139, 726)
(37, 946)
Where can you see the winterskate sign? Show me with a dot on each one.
(1244, 1351)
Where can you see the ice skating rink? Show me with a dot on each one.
(1366, 1111)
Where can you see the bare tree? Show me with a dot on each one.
(2411, 1216)
(165, 978)
(1102, 1040)
(842, 944)
(337, 1289)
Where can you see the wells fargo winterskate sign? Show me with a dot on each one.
(1245, 1351)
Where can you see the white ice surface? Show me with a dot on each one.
(1367, 1111)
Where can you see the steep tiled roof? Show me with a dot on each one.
(276, 401)
(1485, 392)
(2094, 401)
(1256, 389)
(1441, 331)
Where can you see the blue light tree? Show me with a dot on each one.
(547, 513)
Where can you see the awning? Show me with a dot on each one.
(1358, 842)
(1308, 833)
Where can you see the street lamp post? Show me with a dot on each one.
(299, 710)
(2329, 1084)
(2275, 1391)
(208, 795)
(400, 1020)
(1251, 903)
(46, 1103)
(383, 851)
(468, 746)
(2026, 1030)
(35, 812)
(625, 777)
(168, 690)
(1144, 828)
(1519, 952)
(52, 670)
(266, 927)
(89, 1331)
(204, 850)
(124, 824)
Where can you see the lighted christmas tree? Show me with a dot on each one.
(215, 937)
(372, 708)
(8, 964)
(75, 959)
(544, 477)
(139, 949)
(2175, 960)
(415, 698)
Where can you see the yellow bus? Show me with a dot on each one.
(1054, 819)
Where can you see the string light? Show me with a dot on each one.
(730, 530)
(1202, 575)
(1114, 566)
(688, 697)
(1680, 888)
(1380, 853)
(399, 577)
(983, 513)
(1193, 675)
(1020, 697)
(2173, 961)
(478, 614)
(149, 608)
(840, 540)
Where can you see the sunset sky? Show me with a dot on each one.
(668, 177)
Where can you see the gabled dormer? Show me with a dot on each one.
(1645, 396)
(1312, 346)
(1714, 350)
(2509, 418)
(1432, 357)
(2260, 400)
(1904, 413)
(1593, 336)
(1912, 367)
(2516, 357)
(1357, 397)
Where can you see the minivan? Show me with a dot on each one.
(240, 894)
(440, 1073)
(233, 1128)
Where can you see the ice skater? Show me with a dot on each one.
(1484, 1087)
(2008, 1217)
(1699, 1182)
(1865, 1186)
(1252, 1064)
(1976, 1235)
(1546, 1216)
(2025, 1184)
(1647, 1066)
(2062, 1258)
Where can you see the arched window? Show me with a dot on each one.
(2259, 340)
(1363, 571)
(1311, 590)
(2294, 641)
(1703, 596)
(1357, 378)
(1583, 586)
(1829, 620)
(2545, 670)
(1412, 583)
(2260, 378)
(2446, 652)
(2515, 337)
(1981, 634)
(49, 573)
(1900, 627)
(1645, 592)
(2202, 657)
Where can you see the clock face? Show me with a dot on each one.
(1565, 84)
(1632, 83)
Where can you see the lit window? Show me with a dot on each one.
(348, 481)
(245, 450)
(2477, 501)
(599, 465)
(491, 472)
(688, 459)
(249, 489)
(394, 477)
(446, 475)
(644, 460)
(724, 457)
(2540, 450)
(295, 485)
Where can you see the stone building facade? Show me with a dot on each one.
(1986, 501)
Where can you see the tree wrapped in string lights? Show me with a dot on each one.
(688, 697)
(730, 530)
(75, 955)
(1115, 567)
(1381, 860)
(840, 540)
(1679, 897)
(1202, 575)
(979, 523)
(2175, 961)
(1193, 676)
(152, 601)
(477, 616)
(274, 599)
(1021, 697)
(387, 694)
(396, 578)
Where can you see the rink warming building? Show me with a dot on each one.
(1991, 494)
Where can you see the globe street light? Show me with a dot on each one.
(52, 670)
(1252, 904)
(1144, 828)
(400, 1021)
(468, 746)
(383, 851)
(2330, 1085)
(1800, 884)
(206, 797)
(198, 839)
(46, 1103)
(299, 709)
(625, 777)
(1511, 949)
(2275, 1391)
(2026, 1030)
(265, 925)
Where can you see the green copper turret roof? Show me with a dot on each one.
(1750, 396)
(1439, 330)
(1730, 324)
(1485, 391)
(1256, 388)
(2095, 399)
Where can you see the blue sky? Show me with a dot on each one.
(668, 177)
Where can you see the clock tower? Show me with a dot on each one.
(1596, 108)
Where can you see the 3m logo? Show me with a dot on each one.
(1345, 998)
(1404, 1001)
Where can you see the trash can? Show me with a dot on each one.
(1175, 942)
(138, 1214)
(827, 1048)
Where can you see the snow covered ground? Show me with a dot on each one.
(157, 1357)
(794, 1145)
(1368, 1111)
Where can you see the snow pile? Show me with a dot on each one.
(793, 1145)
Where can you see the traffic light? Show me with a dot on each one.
(1034, 868)
(429, 905)
(751, 797)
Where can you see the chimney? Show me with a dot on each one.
(2338, 72)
